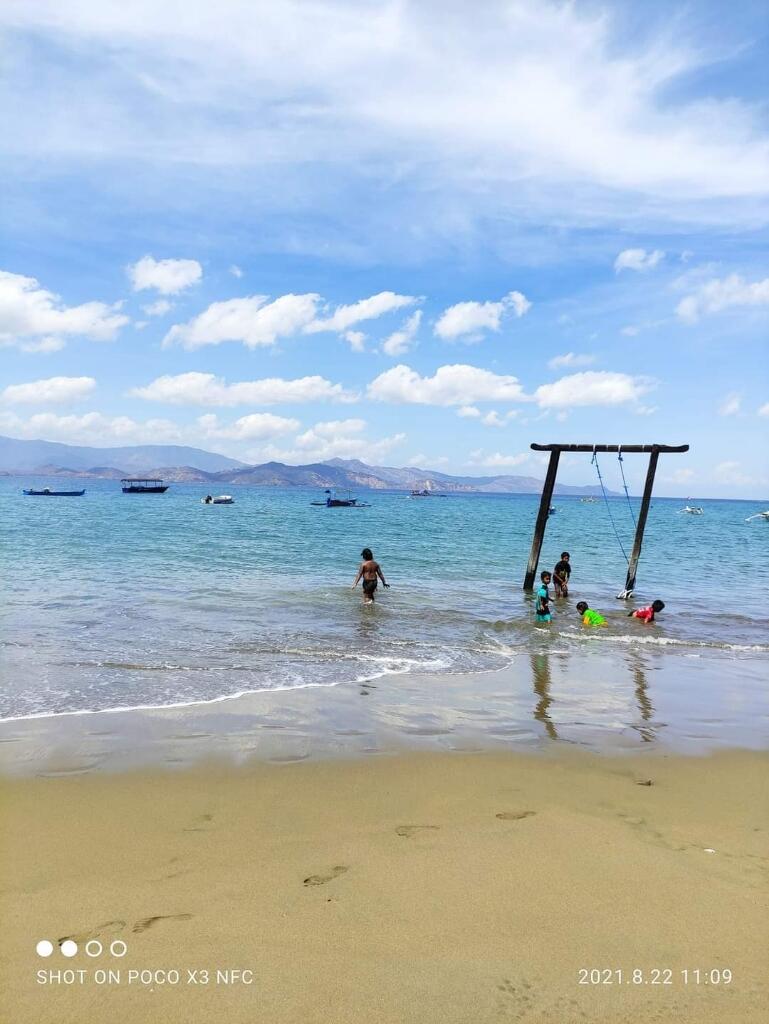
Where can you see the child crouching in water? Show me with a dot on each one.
(647, 614)
(589, 616)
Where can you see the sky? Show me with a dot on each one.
(415, 233)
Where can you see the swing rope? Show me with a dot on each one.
(624, 484)
(594, 461)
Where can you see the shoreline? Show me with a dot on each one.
(423, 887)
(585, 698)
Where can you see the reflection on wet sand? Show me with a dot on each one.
(647, 731)
(540, 667)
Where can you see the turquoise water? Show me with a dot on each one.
(114, 601)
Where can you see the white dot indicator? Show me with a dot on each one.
(44, 947)
(118, 948)
(93, 948)
(69, 948)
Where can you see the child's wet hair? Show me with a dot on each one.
(367, 554)
(565, 554)
(582, 606)
(543, 574)
(658, 605)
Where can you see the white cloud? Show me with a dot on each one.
(681, 476)
(52, 391)
(35, 320)
(207, 389)
(764, 410)
(356, 339)
(400, 341)
(571, 359)
(252, 321)
(469, 320)
(337, 439)
(450, 385)
(345, 317)
(236, 271)
(730, 405)
(258, 426)
(597, 121)
(169, 277)
(469, 412)
(732, 474)
(499, 461)
(718, 294)
(422, 461)
(637, 259)
(594, 387)
(159, 308)
(92, 428)
(631, 331)
(494, 419)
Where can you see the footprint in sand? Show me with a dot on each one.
(200, 824)
(99, 932)
(148, 922)
(514, 815)
(322, 879)
(407, 831)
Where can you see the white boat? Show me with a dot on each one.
(220, 499)
(759, 515)
(693, 510)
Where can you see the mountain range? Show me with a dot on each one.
(181, 464)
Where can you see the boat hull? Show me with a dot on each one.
(146, 490)
(53, 494)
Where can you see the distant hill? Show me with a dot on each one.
(18, 456)
(180, 464)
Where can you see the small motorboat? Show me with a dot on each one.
(220, 499)
(426, 493)
(759, 515)
(552, 511)
(46, 492)
(332, 502)
(142, 485)
(589, 501)
(693, 510)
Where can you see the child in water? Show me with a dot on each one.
(369, 571)
(542, 607)
(589, 616)
(647, 614)
(561, 575)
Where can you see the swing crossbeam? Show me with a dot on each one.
(653, 450)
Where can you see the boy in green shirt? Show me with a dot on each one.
(590, 617)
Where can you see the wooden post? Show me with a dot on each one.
(640, 526)
(544, 511)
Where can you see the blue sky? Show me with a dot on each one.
(412, 233)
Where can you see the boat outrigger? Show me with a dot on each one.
(143, 485)
(46, 492)
(759, 515)
(693, 510)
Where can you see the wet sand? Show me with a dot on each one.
(425, 887)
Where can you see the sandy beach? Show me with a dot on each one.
(418, 887)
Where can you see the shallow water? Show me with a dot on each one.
(115, 601)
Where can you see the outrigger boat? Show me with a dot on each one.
(426, 493)
(693, 510)
(143, 485)
(589, 501)
(46, 492)
(759, 515)
(332, 502)
(220, 499)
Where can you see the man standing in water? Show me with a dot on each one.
(369, 571)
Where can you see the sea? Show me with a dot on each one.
(114, 601)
